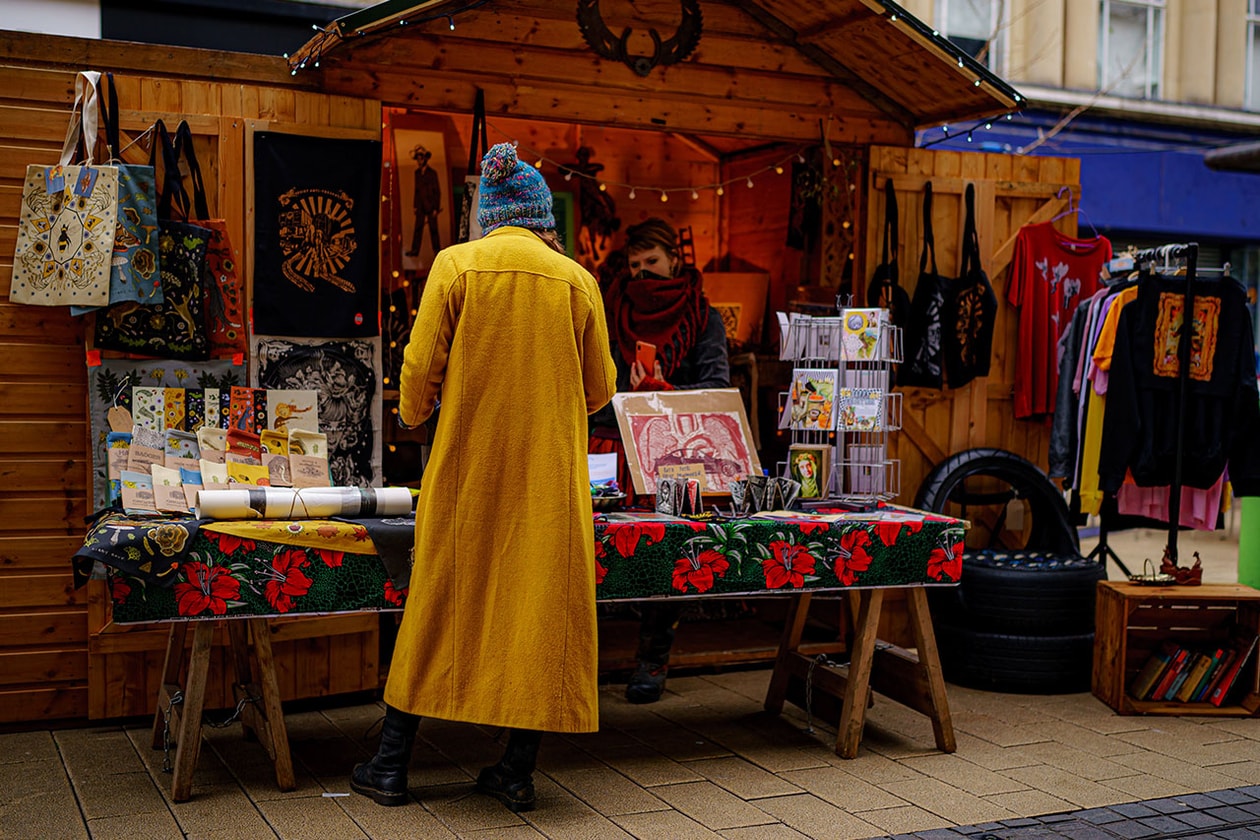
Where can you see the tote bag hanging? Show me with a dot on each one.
(224, 313)
(174, 329)
(884, 290)
(922, 366)
(134, 272)
(469, 227)
(970, 310)
(69, 213)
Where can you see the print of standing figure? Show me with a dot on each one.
(427, 200)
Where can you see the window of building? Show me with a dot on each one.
(1253, 55)
(976, 27)
(1132, 47)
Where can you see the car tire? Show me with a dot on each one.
(1014, 663)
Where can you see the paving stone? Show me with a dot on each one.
(1018, 822)
(607, 791)
(1031, 802)
(957, 806)
(1131, 829)
(1141, 787)
(515, 832)
(1238, 834)
(1167, 806)
(744, 779)
(1200, 819)
(462, 809)
(815, 818)
(1199, 800)
(1077, 830)
(1230, 814)
(939, 834)
(647, 767)
(1251, 808)
(665, 825)
(711, 806)
(297, 819)
(843, 789)
(1164, 824)
(1250, 790)
(1133, 810)
(223, 810)
(1055, 818)
(1068, 786)
(903, 819)
(159, 825)
(118, 795)
(37, 801)
(764, 832)
(27, 746)
(563, 815)
(963, 774)
(1231, 797)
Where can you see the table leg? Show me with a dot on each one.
(238, 633)
(793, 628)
(189, 732)
(277, 733)
(857, 687)
(170, 678)
(930, 663)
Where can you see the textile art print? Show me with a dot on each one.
(1207, 319)
(317, 205)
(347, 376)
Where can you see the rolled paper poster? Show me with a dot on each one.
(304, 503)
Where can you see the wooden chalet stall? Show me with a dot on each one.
(700, 139)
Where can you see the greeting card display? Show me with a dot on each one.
(861, 332)
(811, 402)
(861, 409)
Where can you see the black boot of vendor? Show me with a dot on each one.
(647, 684)
(384, 778)
(511, 780)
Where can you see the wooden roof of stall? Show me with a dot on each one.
(863, 71)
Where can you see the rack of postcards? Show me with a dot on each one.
(841, 407)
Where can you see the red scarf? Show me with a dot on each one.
(668, 312)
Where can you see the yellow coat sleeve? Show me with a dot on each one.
(599, 375)
(424, 360)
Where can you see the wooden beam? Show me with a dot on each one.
(697, 145)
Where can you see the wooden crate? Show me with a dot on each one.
(1132, 621)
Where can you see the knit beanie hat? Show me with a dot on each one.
(512, 193)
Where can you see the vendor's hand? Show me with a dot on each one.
(657, 373)
(637, 374)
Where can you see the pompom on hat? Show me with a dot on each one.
(512, 193)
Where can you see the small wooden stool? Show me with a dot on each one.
(179, 713)
(895, 672)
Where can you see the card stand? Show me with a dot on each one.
(863, 479)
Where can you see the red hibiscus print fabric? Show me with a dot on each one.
(601, 571)
(229, 543)
(287, 580)
(395, 596)
(208, 589)
(854, 556)
(332, 559)
(946, 565)
(808, 528)
(625, 536)
(888, 532)
(119, 590)
(700, 573)
(788, 565)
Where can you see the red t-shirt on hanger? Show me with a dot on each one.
(1050, 274)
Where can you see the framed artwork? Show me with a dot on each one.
(425, 198)
(810, 465)
(741, 301)
(668, 428)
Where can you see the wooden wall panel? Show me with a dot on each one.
(1011, 191)
(58, 656)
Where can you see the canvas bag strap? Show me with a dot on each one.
(890, 225)
(109, 111)
(929, 239)
(83, 118)
(971, 238)
(172, 196)
(184, 148)
(478, 133)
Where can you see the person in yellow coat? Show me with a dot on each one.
(499, 627)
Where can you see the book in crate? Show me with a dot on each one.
(1186, 674)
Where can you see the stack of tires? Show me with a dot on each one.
(1021, 620)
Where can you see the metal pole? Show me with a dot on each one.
(1186, 338)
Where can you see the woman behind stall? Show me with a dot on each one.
(657, 299)
(499, 627)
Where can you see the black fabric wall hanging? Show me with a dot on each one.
(316, 226)
(922, 366)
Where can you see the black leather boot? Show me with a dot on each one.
(511, 780)
(656, 638)
(384, 778)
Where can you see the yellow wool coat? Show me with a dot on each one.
(499, 627)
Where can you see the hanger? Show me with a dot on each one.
(1077, 209)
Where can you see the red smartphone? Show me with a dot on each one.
(645, 354)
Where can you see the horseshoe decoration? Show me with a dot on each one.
(670, 51)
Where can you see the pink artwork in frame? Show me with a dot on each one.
(686, 427)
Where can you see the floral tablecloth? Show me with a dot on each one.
(318, 567)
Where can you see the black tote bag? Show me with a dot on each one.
(885, 291)
(970, 310)
(922, 367)
(175, 328)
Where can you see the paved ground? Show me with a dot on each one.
(705, 762)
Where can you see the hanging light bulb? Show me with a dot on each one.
(977, 83)
(451, 21)
(539, 164)
(960, 61)
(800, 158)
(393, 308)
(568, 175)
(694, 195)
(664, 196)
(968, 136)
(603, 188)
(835, 162)
(778, 170)
(749, 183)
(893, 17)
(395, 273)
(988, 126)
(1010, 116)
(945, 129)
(721, 190)
(632, 193)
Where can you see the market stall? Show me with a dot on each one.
(712, 138)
